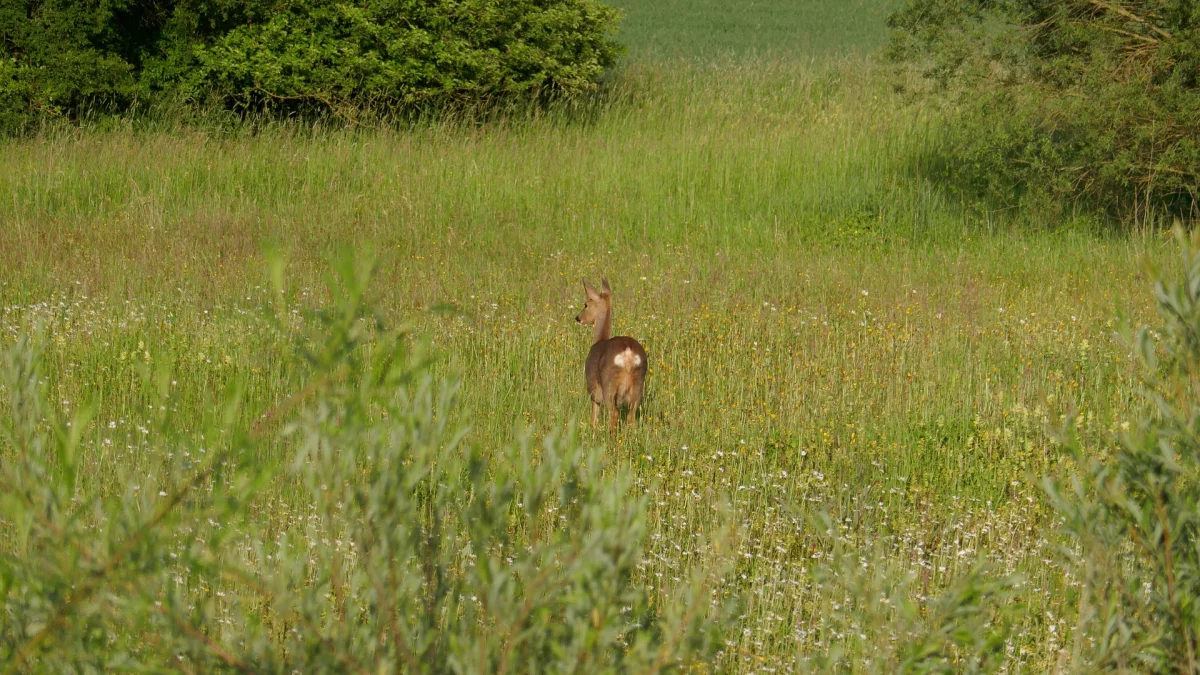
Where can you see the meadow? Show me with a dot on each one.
(830, 327)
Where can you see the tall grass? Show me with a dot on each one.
(829, 329)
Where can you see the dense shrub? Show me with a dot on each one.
(1083, 102)
(62, 57)
(65, 58)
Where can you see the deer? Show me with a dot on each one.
(616, 366)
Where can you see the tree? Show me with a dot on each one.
(1084, 102)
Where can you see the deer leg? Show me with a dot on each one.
(633, 405)
(595, 414)
(612, 418)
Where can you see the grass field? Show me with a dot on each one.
(825, 326)
(706, 28)
(829, 328)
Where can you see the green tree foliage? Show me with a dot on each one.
(60, 57)
(1092, 102)
(415, 551)
(71, 58)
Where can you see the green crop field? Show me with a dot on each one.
(709, 28)
(829, 328)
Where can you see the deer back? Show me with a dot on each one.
(616, 361)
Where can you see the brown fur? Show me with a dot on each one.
(616, 366)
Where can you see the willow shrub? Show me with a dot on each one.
(415, 550)
(1132, 510)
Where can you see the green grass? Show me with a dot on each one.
(826, 326)
(706, 28)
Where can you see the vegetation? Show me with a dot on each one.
(1086, 102)
(842, 462)
(416, 552)
(72, 59)
(1132, 506)
(828, 331)
(705, 29)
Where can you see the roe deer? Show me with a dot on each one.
(616, 366)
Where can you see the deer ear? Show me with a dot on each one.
(591, 292)
(604, 285)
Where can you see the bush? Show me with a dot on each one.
(64, 58)
(1080, 102)
(411, 550)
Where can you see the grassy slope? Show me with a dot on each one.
(825, 327)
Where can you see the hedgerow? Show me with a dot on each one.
(65, 59)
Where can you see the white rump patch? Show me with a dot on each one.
(627, 359)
